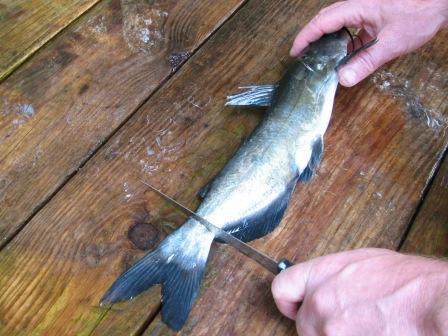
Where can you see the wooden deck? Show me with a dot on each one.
(94, 94)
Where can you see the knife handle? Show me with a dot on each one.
(283, 264)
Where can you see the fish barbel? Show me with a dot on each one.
(249, 196)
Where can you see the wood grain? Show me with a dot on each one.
(25, 26)
(379, 155)
(63, 104)
(429, 232)
(381, 149)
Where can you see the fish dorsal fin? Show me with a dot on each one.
(253, 95)
(316, 156)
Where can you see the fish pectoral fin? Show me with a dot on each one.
(316, 156)
(253, 95)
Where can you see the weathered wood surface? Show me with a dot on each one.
(429, 232)
(377, 163)
(59, 107)
(27, 25)
(385, 139)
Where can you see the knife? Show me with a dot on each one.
(268, 263)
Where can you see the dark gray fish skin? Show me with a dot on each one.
(249, 196)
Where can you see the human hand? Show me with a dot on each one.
(365, 292)
(400, 26)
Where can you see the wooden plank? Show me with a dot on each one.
(25, 26)
(58, 108)
(429, 232)
(377, 162)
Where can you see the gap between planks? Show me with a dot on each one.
(147, 322)
(427, 186)
(10, 71)
(38, 208)
(423, 199)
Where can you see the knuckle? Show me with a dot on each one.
(323, 10)
(369, 250)
(316, 22)
(332, 6)
(350, 269)
(321, 302)
(333, 327)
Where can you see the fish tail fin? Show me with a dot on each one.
(178, 264)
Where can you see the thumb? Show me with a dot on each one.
(288, 288)
(367, 61)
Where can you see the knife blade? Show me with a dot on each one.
(267, 262)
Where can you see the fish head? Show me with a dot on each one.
(328, 52)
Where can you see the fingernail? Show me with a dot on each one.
(347, 77)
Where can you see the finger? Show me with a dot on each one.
(367, 61)
(289, 288)
(347, 14)
(307, 324)
(360, 39)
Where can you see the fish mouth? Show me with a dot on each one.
(350, 55)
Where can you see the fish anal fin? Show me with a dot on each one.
(204, 190)
(316, 156)
(306, 175)
(264, 221)
(253, 95)
(206, 187)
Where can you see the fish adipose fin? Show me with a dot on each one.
(175, 267)
(253, 95)
(264, 221)
(316, 156)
